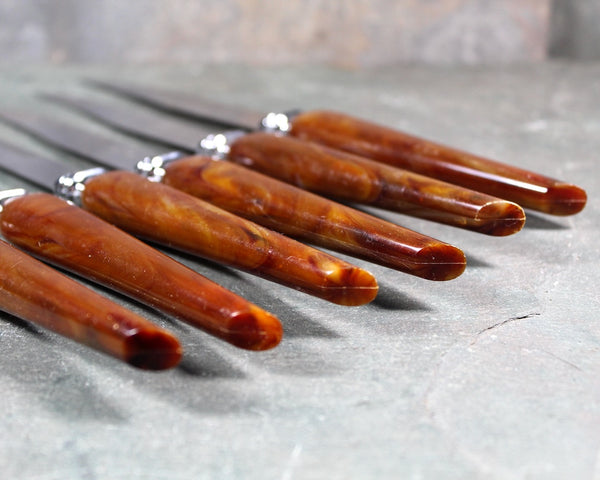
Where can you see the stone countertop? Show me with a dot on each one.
(493, 375)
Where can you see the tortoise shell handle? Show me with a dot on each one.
(174, 218)
(35, 292)
(348, 177)
(528, 189)
(80, 242)
(301, 214)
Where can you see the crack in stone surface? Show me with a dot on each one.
(560, 359)
(504, 322)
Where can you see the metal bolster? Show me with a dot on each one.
(70, 186)
(217, 145)
(278, 123)
(153, 168)
(7, 195)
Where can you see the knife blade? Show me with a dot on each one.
(37, 293)
(165, 215)
(65, 235)
(399, 149)
(272, 203)
(187, 105)
(320, 169)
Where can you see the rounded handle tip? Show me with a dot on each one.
(351, 287)
(254, 329)
(441, 262)
(153, 350)
(500, 218)
(565, 199)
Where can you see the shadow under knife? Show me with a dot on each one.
(475, 262)
(44, 364)
(536, 221)
(389, 298)
(25, 325)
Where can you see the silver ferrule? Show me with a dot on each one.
(153, 168)
(217, 145)
(70, 186)
(8, 195)
(278, 123)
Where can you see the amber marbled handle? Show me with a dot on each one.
(348, 177)
(78, 241)
(307, 216)
(174, 218)
(39, 294)
(528, 189)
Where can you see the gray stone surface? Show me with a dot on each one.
(494, 375)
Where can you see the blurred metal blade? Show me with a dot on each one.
(111, 153)
(34, 168)
(136, 120)
(186, 104)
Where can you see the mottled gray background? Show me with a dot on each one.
(353, 33)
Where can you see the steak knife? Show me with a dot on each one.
(320, 169)
(345, 132)
(171, 217)
(262, 199)
(65, 235)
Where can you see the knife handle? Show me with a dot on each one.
(348, 177)
(528, 189)
(39, 294)
(78, 241)
(171, 217)
(301, 214)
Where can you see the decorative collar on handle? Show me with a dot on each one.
(217, 145)
(278, 123)
(70, 186)
(153, 168)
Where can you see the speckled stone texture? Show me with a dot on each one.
(346, 33)
(493, 375)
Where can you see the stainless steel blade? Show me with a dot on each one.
(109, 152)
(138, 121)
(187, 105)
(36, 169)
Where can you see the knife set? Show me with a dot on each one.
(246, 198)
